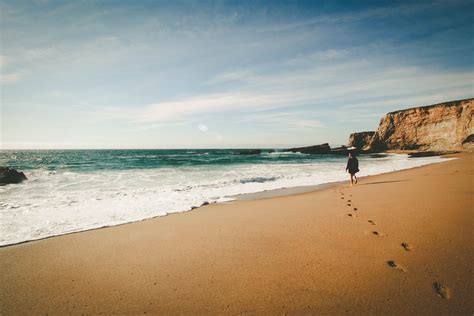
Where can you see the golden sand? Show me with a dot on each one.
(398, 243)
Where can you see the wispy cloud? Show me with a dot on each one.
(10, 78)
(348, 85)
(285, 119)
(144, 68)
(232, 76)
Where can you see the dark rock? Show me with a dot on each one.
(468, 139)
(361, 140)
(378, 155)
(312, 150)
(250, 152)
(420, 154)
(377, 145)
(9, 175)
(339, 151)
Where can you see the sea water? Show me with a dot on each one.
(73, 190)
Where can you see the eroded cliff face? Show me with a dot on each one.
(441, 126)
(361, 140)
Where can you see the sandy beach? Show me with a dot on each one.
(332, 251)
(196, 157)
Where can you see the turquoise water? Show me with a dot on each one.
(93, 160)
(74, 190)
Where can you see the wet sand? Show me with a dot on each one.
(399, 243)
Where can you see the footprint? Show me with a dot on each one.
(394, 265)
(349, 201)
(406, 246)
(342, 198)
(355, 208)
(348, 204)
(376, 233)
(372, 222)
(351, 215)
(442, 290)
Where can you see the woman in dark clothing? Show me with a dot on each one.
(352, 167)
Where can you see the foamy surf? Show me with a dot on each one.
(74, 197)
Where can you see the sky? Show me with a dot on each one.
(223, 74)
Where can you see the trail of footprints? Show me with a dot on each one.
(440, 289)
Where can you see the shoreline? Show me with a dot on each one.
(265, 194)
(268, 194)
(292, 254)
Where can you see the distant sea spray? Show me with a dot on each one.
(75, 190)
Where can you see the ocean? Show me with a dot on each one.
(74, 190)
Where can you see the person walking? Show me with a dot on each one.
(352, 167)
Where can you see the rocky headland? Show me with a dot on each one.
(434, 129)
(445, 126)
(424, 131)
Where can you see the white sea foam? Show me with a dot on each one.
(54, 203)
(284, 153)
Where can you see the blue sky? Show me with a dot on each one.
(206, 74)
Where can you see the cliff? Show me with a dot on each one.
(360, 140)
(443, 127)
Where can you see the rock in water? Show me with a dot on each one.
(9, 175)
(316, 149)
(339, 151)
(250, 152)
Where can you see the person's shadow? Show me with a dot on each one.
(382, 182)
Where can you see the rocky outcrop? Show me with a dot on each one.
(468, 143)
(250, 152)
(339, 150)
(439, 127)
(361, 140)
(316, 149)
(469, 139)
(420, 154)
(323, 149)
(8, 175)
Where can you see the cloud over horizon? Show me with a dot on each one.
(124, 74)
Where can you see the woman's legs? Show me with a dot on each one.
(353, 178)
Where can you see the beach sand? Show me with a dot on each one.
(315, 252)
